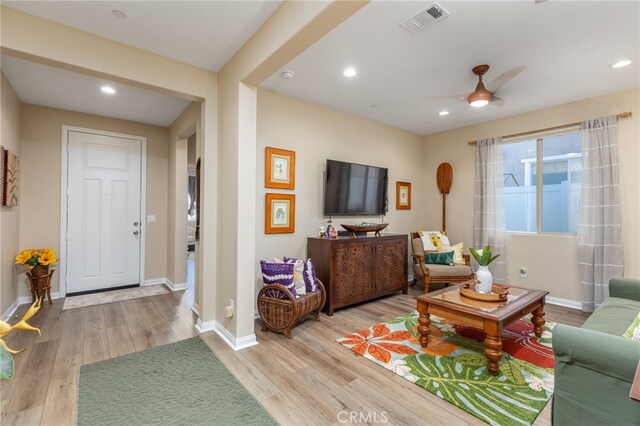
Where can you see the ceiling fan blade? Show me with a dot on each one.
(497, 101)
(462, 97)
(499, 82)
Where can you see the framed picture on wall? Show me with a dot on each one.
(280, 168)
(2, 166)
(11, 177)
(403, 195)
(280, 214)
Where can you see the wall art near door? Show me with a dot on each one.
(11, 179)
(280, 168)
(2, 166)
(403, 195)
(280, 214)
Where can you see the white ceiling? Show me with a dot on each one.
(44, 85)
(202, 33)
(566, 48)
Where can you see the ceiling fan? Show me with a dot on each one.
(481, 96)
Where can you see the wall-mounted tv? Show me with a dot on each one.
(354, 189)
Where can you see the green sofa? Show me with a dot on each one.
(595, 365)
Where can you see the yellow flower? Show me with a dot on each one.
(23, 257)
(47, 258)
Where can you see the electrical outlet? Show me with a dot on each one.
(228, 310)
(523, 272)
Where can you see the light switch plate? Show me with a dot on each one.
(151, 218)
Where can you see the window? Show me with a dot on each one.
(557, 190)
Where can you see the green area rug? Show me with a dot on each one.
(179, 383)
(454, 367)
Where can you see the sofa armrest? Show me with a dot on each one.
(625, 288)
(614, 356)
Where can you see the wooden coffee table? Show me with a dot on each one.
(491, 317)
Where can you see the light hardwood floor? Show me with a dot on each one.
(307, 380)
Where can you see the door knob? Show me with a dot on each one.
(135, 232)
(135, 223)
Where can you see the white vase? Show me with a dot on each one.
(485, 279)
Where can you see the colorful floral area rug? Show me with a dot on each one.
(454, 367)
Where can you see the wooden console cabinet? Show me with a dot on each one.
(356, 269)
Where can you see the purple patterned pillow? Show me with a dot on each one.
(278, 273)
(308, 273)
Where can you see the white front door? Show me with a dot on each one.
(103, 211)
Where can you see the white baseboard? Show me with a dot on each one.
(203, 327)
(235, 343)
(175, 287)
(574, 304)
(22, 300)
(154, 281)
(10, 311)
(178, 287)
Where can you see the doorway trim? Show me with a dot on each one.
(63, 197)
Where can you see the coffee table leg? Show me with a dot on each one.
(493, 352)
(538, 321)
(424, 323)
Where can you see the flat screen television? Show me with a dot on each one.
(354, 189)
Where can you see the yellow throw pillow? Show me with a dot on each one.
(457, 248)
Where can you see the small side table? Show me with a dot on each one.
(41, 286)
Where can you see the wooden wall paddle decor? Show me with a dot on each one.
(444, 177)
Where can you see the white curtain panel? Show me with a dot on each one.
(489, 222)
(600, 250)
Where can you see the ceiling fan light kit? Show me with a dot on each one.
(481, 96)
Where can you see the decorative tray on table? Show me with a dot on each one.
(498, 293)
(365, 227)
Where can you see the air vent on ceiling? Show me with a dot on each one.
(419, 21)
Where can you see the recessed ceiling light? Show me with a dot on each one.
(349, 72)
(374, 106)
(443, 113)
(621, 63)
(119, 14)
(108, 89)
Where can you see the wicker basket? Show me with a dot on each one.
(280, 311)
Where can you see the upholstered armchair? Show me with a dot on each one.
(428, 273)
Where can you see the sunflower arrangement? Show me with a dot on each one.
(36, 257)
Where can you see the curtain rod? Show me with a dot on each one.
(548, 129)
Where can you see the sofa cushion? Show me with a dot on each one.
(633, 332)
(613, 316)
(449, 271)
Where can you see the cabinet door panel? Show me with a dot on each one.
(390, 259)
(353, 272)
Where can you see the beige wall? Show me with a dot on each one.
(47, 42)
(549, 259)
(180, 130)
(191, 150)
(289, 31)
(9, 216)
(41, 132)
(317, 133)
